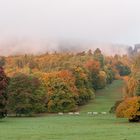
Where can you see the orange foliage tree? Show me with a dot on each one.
(61, 91)
(83, 84)
(129, 108)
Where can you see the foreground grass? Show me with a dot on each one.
(83, 127)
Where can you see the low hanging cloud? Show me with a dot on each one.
(91, 21)
(32, 46)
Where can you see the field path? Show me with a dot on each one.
(105, 98)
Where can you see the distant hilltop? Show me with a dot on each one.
(133, 51)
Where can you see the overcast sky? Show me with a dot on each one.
(116, 21)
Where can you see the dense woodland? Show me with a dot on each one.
(60, 82)
(129, 107)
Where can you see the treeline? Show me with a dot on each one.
(129, 107)
(58, 82)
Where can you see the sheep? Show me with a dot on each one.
(70, 113)
(60, 113)
(77, 113)
(95, 113)
(104, 113)
(89, 113)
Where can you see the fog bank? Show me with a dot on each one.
(16, 46)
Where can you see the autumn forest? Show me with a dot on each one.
(58, 82)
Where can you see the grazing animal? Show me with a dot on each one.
(77, 113)
(104, 113)
(95, 113)
(89, 113)
(70, 113)
(60, 113)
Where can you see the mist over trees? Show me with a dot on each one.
(16, 46)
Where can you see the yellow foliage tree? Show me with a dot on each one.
(102, 79)
(130, 86)
(129, 108)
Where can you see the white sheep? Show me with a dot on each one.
(89, 113)
(95, 113)
(70, 113)
(60, 113)
(104, 113)
(77, 113)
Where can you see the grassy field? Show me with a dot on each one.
(83, 127)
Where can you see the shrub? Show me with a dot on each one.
(114, 107)
(129, 108)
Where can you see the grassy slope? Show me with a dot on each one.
(105, 98)
(81, 127)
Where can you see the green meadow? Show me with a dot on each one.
(72, 127)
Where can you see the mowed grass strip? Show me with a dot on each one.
(105, 98)
(67, 127)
